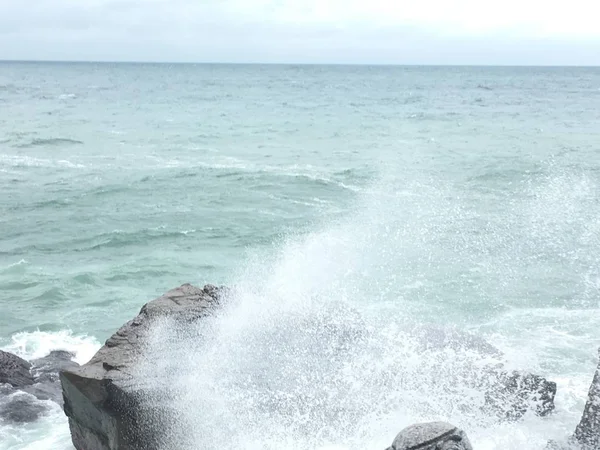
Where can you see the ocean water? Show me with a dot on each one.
(377, 199)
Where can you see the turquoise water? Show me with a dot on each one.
(463, 197)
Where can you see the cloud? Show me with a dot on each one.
(300, 30)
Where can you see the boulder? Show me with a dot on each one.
(14, 370)
(508, 394)
(100, 397)
(20, 407)
(49, 366)
(587, 433)
(431, 436)
(26, 387)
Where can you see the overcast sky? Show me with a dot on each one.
(533, 32)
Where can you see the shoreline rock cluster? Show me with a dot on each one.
(102, 402)
(27, 387)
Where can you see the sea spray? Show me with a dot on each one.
(302, 355)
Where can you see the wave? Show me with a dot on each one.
(37, 344)
(22, 161)
(54, 142)
(15, 266)
(119, 238)
(8, 87)
(234, 167)
(112, 239)
(124, 274)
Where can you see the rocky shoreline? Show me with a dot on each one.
(102, 399)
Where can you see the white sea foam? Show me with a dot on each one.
(17, 161)
(37, 344)
(51, 431)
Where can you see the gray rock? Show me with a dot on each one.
(587, 433)
(48, 390)
(431, 436)
(101, 397)
(27, 387)
(20, 407)
(55, 362)
(508, 394)
(511, 394)
(14, 370)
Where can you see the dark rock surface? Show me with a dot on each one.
(14, 370)
(587, 433)
(100, 396)
(431, 436)
(49, 366)
(20, 407)
(27, 387)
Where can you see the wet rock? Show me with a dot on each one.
(508, 394)
(587, 433)
(20, 407)
(14, 370)
(46, 369)
(511, 394)
(431, 436)
(27, 387)
(101, 397)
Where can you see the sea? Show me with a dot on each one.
(378, 199)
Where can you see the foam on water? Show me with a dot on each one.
(37, 344)
(51, 431)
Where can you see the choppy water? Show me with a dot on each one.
(461, 197)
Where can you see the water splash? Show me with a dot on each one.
(324, 341)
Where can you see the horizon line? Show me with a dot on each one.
(256, 63)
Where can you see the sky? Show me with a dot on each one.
(503, 32)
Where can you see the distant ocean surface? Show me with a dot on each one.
(464, 197)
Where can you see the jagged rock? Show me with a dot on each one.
(100, 396)
(14, 370)
(587, 433)
(431, 436)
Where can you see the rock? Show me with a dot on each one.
(27, 387)
(508, 394)
(20, 407)
(512, 394)
(100, 396)
(587, 433)
(46, 369)
(431, 436)
(14, 370)
(49, 390)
